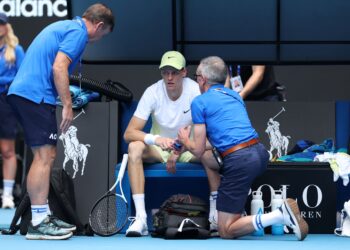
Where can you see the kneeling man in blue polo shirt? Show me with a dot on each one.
(220, 115)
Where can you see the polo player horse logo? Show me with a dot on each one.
(278, 141)
(73, 150)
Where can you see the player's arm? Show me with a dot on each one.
(134, 133)
(134, 130)
(61, 79)
(253, 81)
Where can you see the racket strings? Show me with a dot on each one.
(109, 215)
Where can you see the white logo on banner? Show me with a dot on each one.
(34, 8)
(73, 150)
(278, 141)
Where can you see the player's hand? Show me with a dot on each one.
(67, 118)
(171, 163)
(164, 143)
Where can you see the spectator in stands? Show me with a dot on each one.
(244, 158)
(168, 102)
(255, 83)
(11, 56)
(45, 72)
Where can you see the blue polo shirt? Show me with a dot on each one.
(8, 71)
(34, 80)
(223, 112)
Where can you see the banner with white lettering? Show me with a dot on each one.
(29, 17)
(311, 184)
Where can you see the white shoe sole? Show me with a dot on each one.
(48, 237)
(8, 205)
(136, 234)
(72, 229)
(301, 230)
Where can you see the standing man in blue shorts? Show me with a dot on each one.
(220, 115)
(43, 74)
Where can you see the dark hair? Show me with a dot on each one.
(99, 13)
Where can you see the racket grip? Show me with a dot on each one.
(123, 166)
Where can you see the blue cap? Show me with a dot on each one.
(3, 18)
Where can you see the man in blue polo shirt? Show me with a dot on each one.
(219, 114)
(43, 75)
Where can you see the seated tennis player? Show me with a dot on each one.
(168, 101)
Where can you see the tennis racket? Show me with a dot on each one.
(110, 213)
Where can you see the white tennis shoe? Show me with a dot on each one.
(293, 219)
(344, 229)
(137, 228)
(7, 201)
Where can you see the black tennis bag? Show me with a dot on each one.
(182, 216)
(62, 205)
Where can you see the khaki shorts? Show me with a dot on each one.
(184, 157)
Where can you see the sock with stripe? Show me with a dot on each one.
(39, 213)
(261, 221)
(212, 205)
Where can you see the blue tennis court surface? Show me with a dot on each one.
(120, 242)
(6, 217)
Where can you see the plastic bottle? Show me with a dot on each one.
(277, 201)
(257, 207)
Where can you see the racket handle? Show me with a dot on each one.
(123, 167)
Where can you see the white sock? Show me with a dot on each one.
(212, 205)
(8, 187)
(139, 201)
(39, 213)
(261, 221)
(48, 209)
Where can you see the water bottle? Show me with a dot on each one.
(257, 207)
(277, 201)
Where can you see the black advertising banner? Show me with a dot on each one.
(311, 184)
(280, 126)
(29, 17)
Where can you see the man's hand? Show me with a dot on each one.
(67, 117)
(164, 143)
(171, 163)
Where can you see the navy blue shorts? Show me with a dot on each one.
(238, 173)
(8, 121)
(38, 121)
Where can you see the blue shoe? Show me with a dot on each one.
(61, 224)
(46, 230)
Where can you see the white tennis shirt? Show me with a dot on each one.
(167, 116)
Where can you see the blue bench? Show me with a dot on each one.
(190, 171)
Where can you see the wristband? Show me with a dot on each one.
(150, 139)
